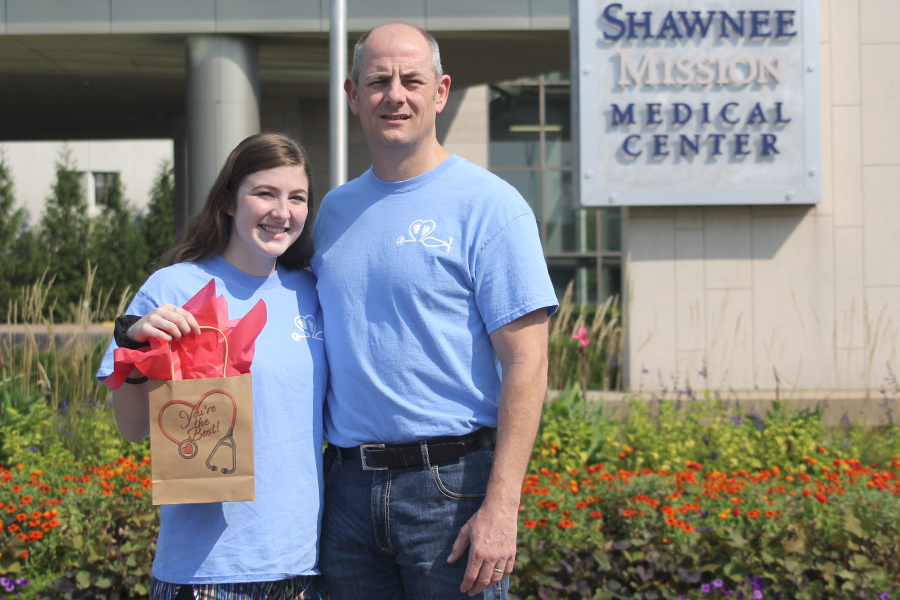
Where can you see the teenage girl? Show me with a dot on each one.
(254, 238)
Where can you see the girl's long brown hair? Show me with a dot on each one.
(209, 233)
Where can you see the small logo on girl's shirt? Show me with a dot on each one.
(419, 231)
(307, 326)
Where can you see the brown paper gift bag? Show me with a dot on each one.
(201, 439)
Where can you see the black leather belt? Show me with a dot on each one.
(379, 457)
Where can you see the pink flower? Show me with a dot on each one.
(581, 335)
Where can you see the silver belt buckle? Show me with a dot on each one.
(362, 455)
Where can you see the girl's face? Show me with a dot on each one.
(269, 213)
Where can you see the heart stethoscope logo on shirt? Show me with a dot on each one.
(419, 231)
(307, 326)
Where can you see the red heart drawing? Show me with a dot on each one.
(188, 447)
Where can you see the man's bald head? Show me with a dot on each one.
(432, 43)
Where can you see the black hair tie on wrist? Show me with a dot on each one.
(120, 334)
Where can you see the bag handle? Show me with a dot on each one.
(224, 337)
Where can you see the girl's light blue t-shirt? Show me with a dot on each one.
(275, 536)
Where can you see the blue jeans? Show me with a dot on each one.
(386, 535)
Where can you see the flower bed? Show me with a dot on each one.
(673, 503)
(819, 528)
(78, 531)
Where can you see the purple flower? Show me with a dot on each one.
(757, 594)
(23, 582)
(717, 583)
(884, 596)
(705, 588)
(4, 581)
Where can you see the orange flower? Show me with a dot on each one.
(543, 522)
(27, 500)
(64, 490)
(37, 472)
(530, 524)
(137, 494)
(770, 514)
(753, 514)
(11, 508)
(12, 528)
(687, 528)
(79, 490)
(596, 514)
(565, 524)
(821, 497)
(16, 489)
(21, 517)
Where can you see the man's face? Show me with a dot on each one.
(397, 97)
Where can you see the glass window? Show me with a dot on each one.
(558, 126)
(531, 148)
(583, 270)
(562, 226)
(611, 229)
(103, 183)
(590, 217)
(611, 279)
(515, 121)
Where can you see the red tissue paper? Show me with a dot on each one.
(197, 356)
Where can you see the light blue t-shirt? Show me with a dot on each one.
(275, 536)
(413, 276)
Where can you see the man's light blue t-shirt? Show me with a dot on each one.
(413, 277)
(276, 536)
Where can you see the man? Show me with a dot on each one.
(430, 271)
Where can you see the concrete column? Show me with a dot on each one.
(222, 106)
(179, 172)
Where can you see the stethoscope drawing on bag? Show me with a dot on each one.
(188, 449)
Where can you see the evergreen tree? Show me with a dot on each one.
(65, 236)
(12, 220)
(158, 223)
(117, 246)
